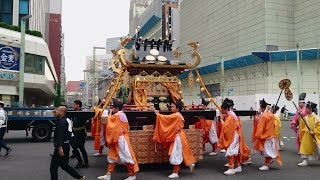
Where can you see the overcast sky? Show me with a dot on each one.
(87, 24)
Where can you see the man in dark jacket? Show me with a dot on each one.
(79, 138)
(62, 135)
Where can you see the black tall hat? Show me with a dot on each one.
(231, 101)
(117, 104)
(263, 103)
(302, 97)
(227, 103)
(311, 105)
(275, 108)
(204, 102)
(179, 104)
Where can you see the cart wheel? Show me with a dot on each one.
(41, 133)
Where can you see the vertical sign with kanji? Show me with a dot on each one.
(9, 57)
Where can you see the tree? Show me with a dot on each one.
(58, 99)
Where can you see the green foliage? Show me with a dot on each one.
(18, 29)
(58, 99)
(4, 25)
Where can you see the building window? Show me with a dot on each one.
(24, 7)
(23, 11)
(34, 64)
(6, 8)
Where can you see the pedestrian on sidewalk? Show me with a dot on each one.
(62, 136)
(3, 129)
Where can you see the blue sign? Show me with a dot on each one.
(9, 58)
(82, 85)
(8, 76)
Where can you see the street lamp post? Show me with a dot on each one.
(87, 86)
(222, 77)
(22, 58)
(94, 74)
(299, 71)
(222, 81)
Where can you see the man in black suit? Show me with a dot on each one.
(62, 136)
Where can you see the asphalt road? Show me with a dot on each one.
(30, 161)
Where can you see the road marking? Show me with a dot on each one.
(286, 138)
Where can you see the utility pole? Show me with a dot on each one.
(222, 78)
(22, 59)
(86, 79)
(298, 70)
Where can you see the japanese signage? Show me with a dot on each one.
(82, 85)
(9, 57)
(26, 113)
(9, 76)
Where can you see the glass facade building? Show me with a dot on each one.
(8, 11)
(23, 11)
(34, 64)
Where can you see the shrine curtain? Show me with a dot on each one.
(140, 94)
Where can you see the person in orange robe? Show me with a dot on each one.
(256, 142)
(219, 118)
(120, 150)
(265, 137)
(100, 142)
(169, 131)
(232, 139)
(209, 133)
(245, 158)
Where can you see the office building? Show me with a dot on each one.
(40, 76)
(257, 41)
(112, 44)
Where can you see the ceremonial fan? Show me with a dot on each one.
(283, 85)
(289, 96)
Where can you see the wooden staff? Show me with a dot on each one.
(101, 107)
(204, 88)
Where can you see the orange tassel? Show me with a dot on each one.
(97, 136)
(96, 141)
